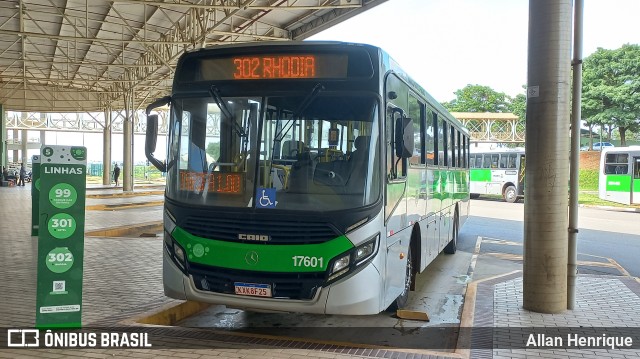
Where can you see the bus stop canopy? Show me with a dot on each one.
(92, 55)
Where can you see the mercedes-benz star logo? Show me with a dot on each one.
(251, 258)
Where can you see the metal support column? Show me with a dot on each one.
(576, 116)
(3, 138)
(127, 167)
(547, 148)
(43, 133)
(24, 158)
(14, 157)
(106, 148)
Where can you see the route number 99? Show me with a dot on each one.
(63, 193)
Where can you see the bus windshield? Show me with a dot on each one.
(297, 152)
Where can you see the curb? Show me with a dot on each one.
(611, 208)
(170, 314)
(125, 230)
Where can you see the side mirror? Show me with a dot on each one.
(404, 141)
(151, 137)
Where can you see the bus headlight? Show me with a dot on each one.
(179, 253)
(340, 264)
(353, 258)
(365, 251)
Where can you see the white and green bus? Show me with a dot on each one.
(498, 172)
(619, 179)
(302, 177)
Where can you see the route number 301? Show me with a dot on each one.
(308, 262)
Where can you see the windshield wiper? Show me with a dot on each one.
(303, 106)
(307, 100)
(215, 94)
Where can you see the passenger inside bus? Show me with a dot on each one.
(621, 170)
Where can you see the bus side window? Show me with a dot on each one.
(503, 160)
(486, 161)
(616, 163)
(443, 156)
(416, 113)
(452, 147)
(430, 138)
(621, 170)
(472, 162)
(511, 163)
(494, 161)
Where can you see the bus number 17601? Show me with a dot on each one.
(308, 262)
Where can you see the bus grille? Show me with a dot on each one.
(300, 286)
(280, 232)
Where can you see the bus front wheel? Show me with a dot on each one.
(403, 298)
(510, 194)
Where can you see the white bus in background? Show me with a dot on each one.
(619, 179)
(498, 172)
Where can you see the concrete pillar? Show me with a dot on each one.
(24, 158)
(547, 148)
(106, 148)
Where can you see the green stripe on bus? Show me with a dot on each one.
(618, 183)
(480, 175)
(261, 256)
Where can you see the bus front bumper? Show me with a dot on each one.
(357, 294)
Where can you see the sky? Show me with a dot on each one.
(444, 45)
(447, 44)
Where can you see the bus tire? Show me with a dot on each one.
(453, 243)
(403, 298)
(510, 195)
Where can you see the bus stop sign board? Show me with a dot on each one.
(61, 236)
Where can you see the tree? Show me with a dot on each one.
(611, 89)
(213, 150)
(518, 106)
(477, 98)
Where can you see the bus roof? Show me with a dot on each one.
(499, 150)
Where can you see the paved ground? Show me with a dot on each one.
(123, 279)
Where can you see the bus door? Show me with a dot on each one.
(521, 176)
(635, 186)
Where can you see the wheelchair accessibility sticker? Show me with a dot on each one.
(266, 198)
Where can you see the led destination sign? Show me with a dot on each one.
(265, 67)
(217, 182)
(276, 67)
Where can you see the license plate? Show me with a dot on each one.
(254, 289)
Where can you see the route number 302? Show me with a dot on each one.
(308, 262)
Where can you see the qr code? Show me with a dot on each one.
(58, 285)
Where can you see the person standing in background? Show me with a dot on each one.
(116, 174)
(23, 173)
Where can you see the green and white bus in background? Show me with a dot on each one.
(498, 172)
(302, 177)
(619, 179)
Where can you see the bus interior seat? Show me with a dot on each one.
(332, 174)
(291, 149)
(301, 173)
(358, 164)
